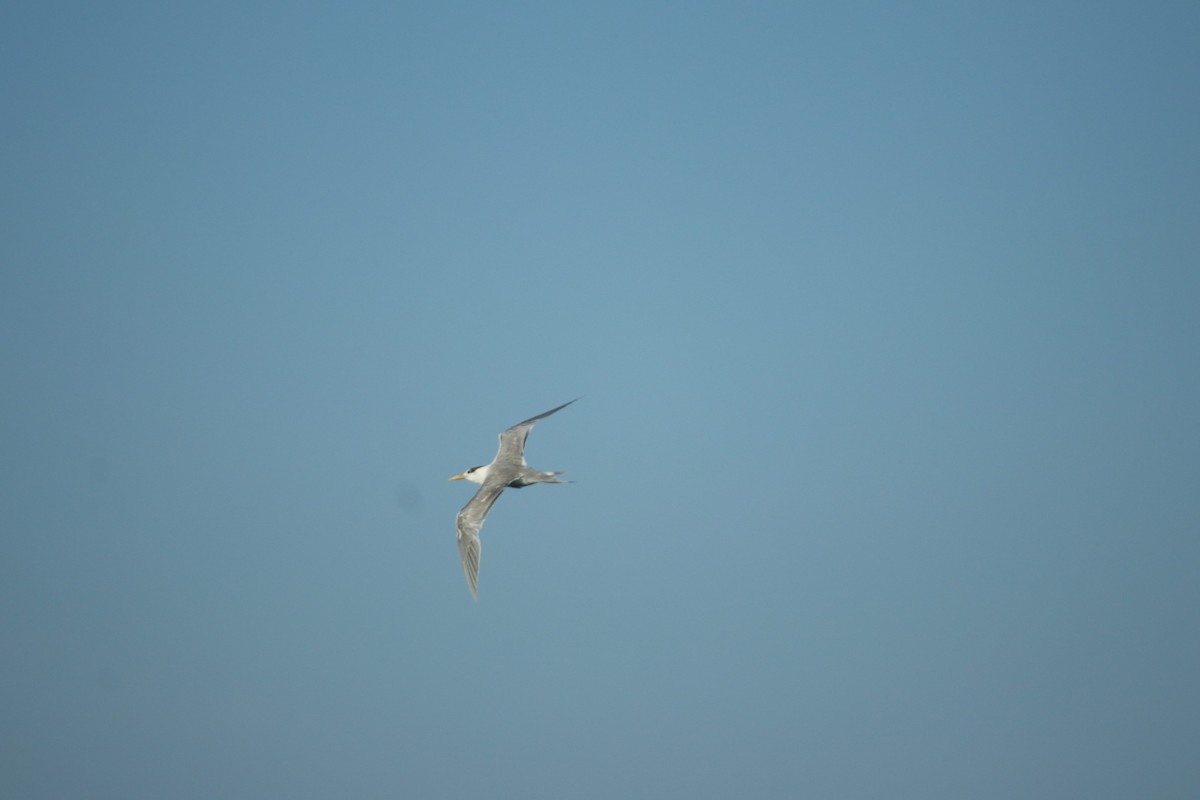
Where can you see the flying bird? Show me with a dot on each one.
(507, 469)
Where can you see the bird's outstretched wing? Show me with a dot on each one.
(512, 441)
(469, 521)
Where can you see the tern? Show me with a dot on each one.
(507, 469)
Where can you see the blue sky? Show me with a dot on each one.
(885, 324)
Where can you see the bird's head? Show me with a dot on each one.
(474, 475)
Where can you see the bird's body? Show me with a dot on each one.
(508, 469)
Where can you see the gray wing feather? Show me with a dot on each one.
(512, 441)
(470, 520)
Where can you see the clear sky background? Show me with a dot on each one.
(886, 324)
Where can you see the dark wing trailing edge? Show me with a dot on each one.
(512, 441)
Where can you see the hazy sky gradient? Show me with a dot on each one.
(886, 322)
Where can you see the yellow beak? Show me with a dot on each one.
(457, 477)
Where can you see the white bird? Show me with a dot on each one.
(507, 469)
